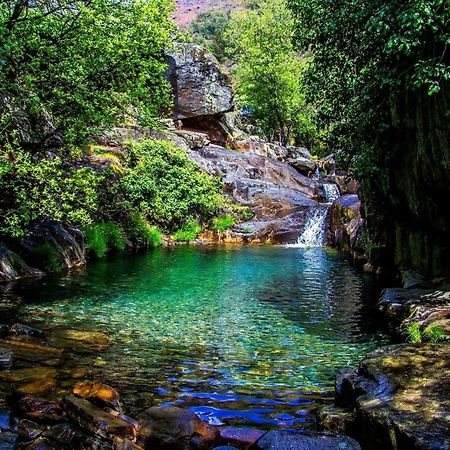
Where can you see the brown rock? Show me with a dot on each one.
(176, 429)
(96, 420)
(37, 387)
(42, 411)
(80, 341)
(96, 390)
(240, 437)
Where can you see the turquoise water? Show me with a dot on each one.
(239, 335)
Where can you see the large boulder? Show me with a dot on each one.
(200, 86)
(175, 429)
(401, 397)
(12, 266)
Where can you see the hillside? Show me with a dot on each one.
(187, 10)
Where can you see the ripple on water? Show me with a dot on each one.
(247, 336)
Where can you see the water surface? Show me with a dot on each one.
(240, 335)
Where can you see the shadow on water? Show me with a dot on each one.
(239, 335)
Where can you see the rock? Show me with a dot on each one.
(70, 437)
(8, 440)
(225, 447)
(345, 226)
(102, 393)
(21, 329)
(32, 352)
(37, 387)
(176, 429)
(42, 411)
(29, 431)
(412, 279)
(303, 165)
(240, 437)
(125, 444)
(200, 86)
(79, 341)
(401, 397)
(95, 420)
(6, 359)
(426, 307)
(336, 420)
(13, 267)
(68, 243)
(194, 140)
(304, 440)
(29, 374)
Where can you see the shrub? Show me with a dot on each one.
(142, 233)
(167, 188)
(102, 237)
(222, 223)
(35, 189)
(188, 231)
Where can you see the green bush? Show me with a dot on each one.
(188, 232)
(413, 333)
(102, 237)
(142, 233)
(34, 189)
(222, 223)
(434, 334)
(167, 188)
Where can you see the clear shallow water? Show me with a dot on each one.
(240, 335)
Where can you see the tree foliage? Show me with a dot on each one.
(268, 69)
(79, 65)
(365, 55)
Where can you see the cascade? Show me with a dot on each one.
(314, 230)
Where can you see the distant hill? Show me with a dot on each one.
(187, 10)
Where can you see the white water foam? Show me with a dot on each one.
(331, 192)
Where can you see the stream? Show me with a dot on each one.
(240, 335)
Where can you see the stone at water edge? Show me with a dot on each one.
(175, 429)
(97, 391)
(304, 440)
(96, 420)
(6, 359)
(37, 387)
(242, 437)
(21, 329)
(42, 411)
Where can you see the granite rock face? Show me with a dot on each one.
(401, 397)
(201, 88)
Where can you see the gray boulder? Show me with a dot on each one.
(200, 84)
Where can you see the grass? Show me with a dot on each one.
(222, 223)
(188, 232)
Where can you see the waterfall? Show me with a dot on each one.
(315, 227)
(313, 234)
(330, 192)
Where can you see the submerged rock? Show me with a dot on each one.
(80, 341)
(21, 329)
(176, 429)
(95, 420)
(6, 359)
(401, 397)
(304, 440)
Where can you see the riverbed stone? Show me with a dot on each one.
(79, 341)
(29, 374)
(96, 420)
(6, 359)
(401, 396)
(98, 391)
(304, 440)
(39, 386)
(31, 351)
(29, 431)
(21, 329)
(240, 437)
(38, 410)
(175, 428)
(8, 440)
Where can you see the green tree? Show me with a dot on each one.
(268, 69)
(208, 29)
(68, 67)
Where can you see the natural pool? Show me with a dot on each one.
(240, 335)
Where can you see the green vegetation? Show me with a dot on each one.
(365, 57)
(102, 237)
(71, 66)
(46, 257)
(188, 232)
(141, 232)
(35, 188)
(208, 30)
(416, 335)
(223, 223)
(268, 71)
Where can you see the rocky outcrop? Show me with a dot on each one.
(201, 88)
(12, 266)
(345, 226)
(400, 398)
(427, 307)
